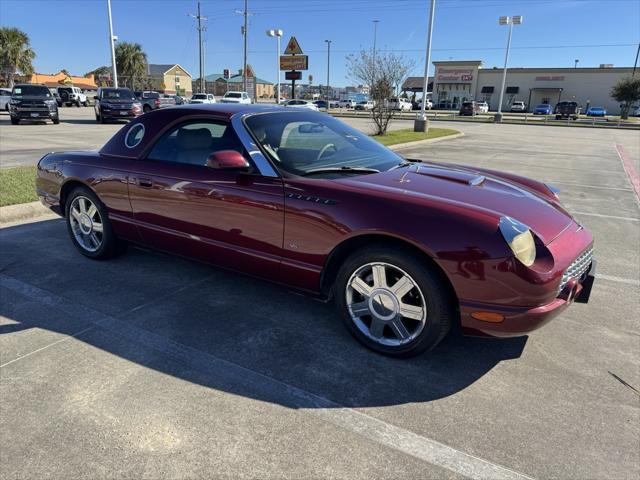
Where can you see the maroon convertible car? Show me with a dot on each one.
(406, 249)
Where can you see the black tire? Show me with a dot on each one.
(15, 121)
(102, 119)
(68, 104)
(431, 284)
(78, 104)
(56, 120)
(85, 103)
(111, 245)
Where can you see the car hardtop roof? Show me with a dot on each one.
(235, 91)
(29, 85)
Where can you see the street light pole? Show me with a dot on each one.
(375, 37)
(277, 33)
(112, 39)
(511, 21)
(575, 63)
(420, 123)
(328, 63)
(244, 69)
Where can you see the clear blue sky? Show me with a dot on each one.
(73, 34)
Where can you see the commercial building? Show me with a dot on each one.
(219, 84)
(455, 82)
(171, 78)
(60, 79)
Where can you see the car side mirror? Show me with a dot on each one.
(95, 97)
(227, 160)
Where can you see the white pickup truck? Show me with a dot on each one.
(72, 96)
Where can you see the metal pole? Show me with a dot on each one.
(244, 70)
(375, 35)
(278, 69)
(112, 47)
(421, 124)
(200, 47)
(328, 63)
(504, 74)
(635, 64)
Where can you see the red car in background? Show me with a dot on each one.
(406, 249)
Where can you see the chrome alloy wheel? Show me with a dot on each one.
(86, 223)
(386, 304)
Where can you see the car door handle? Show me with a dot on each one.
(145, 182)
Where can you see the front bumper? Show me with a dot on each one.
(33, 114)
(115, 113)
(519, 321)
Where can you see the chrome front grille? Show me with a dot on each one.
(578, 268)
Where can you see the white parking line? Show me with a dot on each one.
(599, 187)
(611, 278)
(613, 217)
(352, 420)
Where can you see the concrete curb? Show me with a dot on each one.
(23, 212)
(416, 143)
(12, 214)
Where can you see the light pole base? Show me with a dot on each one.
(421, 124)
(498, 118)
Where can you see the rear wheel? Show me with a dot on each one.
(393, 301)
(15, 121)
(89, 226)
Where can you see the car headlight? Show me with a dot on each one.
(519, 238)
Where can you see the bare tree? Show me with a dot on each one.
(383, 73)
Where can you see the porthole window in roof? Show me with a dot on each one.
(134, 135)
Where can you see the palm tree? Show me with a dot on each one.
(131, 63)
(15, 54)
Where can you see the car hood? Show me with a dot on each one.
(32, 98)
(119, 101)
(475, 190)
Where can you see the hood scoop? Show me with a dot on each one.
(456, 176)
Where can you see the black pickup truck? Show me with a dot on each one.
(567, 110)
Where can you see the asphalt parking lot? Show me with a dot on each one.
(151, 366)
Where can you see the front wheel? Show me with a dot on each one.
(393, 302)
(89, 226)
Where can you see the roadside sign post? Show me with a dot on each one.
(292, 62)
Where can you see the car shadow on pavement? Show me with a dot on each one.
(219, 329)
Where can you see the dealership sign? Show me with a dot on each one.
(294, 62)
(455, 75)
(548, 78)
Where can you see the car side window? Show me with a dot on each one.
(193, 142)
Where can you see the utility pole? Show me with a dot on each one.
(112, 40)
(245, 13)
(199, 17)
(421, 124)
(328, 63)
(375, 35)
(635, 64)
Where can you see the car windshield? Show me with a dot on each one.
(123, 93)
(306, 143)
(199, 96)
(31, 90)
(233, 95)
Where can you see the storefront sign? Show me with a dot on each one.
(294, 62)
(455, 75)
(548, 78)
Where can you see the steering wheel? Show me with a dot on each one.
(324, 150)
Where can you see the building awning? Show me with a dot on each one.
(487, 90)
(513, 89)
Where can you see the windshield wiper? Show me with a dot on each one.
(407, 162)
(341, 170)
